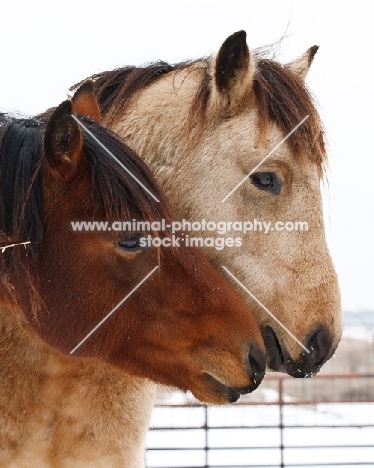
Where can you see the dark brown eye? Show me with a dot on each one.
(266, 181)
(132, 243)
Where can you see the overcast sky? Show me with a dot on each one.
(46, 47)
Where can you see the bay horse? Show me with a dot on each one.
(207, 124)
(67, 401)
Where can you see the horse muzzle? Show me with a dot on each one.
(319, 343)
(221, 382)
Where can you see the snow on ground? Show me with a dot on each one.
(249, 436)
(252, 437)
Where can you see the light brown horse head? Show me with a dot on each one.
(203, 126)
(183, 326)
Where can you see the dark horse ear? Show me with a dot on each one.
(62, 142)
(85, 102)
(233, 71)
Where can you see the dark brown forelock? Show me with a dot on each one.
(283, 99)
(281, 95)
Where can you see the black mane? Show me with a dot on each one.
(21, 181)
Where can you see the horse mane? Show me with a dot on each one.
(20, 180)
(281, 96)
(21, 188)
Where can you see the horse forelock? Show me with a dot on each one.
(282, 99)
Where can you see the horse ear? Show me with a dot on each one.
(63, 142)
(233, 70)
(85, 102)
(300, 66)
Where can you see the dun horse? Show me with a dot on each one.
(184, 326)
(205, 125)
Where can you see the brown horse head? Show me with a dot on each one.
(160, 313)
(239, 139)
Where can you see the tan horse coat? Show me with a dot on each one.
(56, 412)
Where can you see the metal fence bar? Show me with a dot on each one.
(282, 425)
(206, 447)
(289, 426)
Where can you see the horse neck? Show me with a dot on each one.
(57, 411)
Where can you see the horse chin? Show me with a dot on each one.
(212, 391)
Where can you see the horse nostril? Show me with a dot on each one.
(318, 342)
(257, 365)
(320, 348)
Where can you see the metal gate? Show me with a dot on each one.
(327, 421)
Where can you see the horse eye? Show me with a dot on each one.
(132, 243)
(266, 181)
